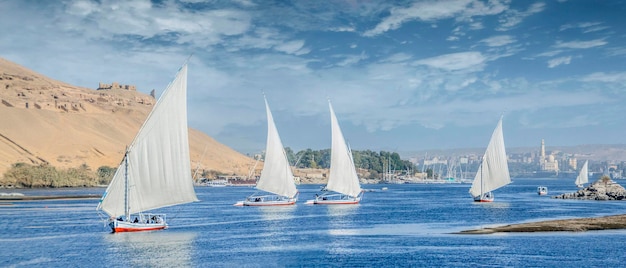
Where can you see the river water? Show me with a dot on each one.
(403, 226)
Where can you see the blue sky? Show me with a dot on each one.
(402, 75)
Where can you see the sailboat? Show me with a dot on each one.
(583, 176)
(343, 183)
(276, 181)
(493, 172)
(156, 170)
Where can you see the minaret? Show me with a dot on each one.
(542, 158)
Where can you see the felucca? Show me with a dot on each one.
(155, 171)
(343, 182)
(276, 181)
(583, 176)
(493, 172)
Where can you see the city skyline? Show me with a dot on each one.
(402, 75)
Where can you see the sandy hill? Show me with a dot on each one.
(47, 121)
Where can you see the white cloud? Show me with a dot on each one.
(619, 77)
(558, 61)
(295, 47)
(581, 44)
(352, 59)
(585, 27)
(499, 40)
(551, 53)
(435, 10)
(512, 18)
(398, 57)
(112, 20)
(454, 61)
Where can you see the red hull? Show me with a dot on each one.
(336, 203)
(123, 229)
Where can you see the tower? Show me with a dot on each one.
(542, 158)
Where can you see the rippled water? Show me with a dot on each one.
(407, 225)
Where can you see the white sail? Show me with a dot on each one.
(276, 176)
(159, 169)
(583, 176)
(493, 172)
(342, 178)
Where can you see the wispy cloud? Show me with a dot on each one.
(499, 40)
(454, 61)
(558, 61)
(436, 10)
(619, 77)
(512, 18)
(581, 44)
(585, 27)
(550, 53)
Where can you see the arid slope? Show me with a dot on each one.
(47, 121)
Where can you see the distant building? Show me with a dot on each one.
(116, 85)
(435, 160)
(549, 163)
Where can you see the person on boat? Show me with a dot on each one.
(136, 220)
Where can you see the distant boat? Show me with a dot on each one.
(155, 171)
(542, 190)
(343, 182)
(583, 176)
(217, 183)
(493, 172)
(276, 176)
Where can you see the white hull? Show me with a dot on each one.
(335, 199)
(147, 223)
(267, 200)
(542, 190)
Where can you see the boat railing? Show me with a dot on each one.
(148, 218)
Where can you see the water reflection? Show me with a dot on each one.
(152, 249)
(275, 213)
(342, 225)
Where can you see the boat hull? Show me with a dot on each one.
(484, 198)
(267, 201)
(266, 204)
(332, 202)
(335, 199)
(123, 226)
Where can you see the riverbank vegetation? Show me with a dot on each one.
(375, 162)
(22, 175)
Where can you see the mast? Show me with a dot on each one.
(126, 206)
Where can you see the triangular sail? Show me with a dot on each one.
(276, 176)
(583, 176)
(159, 169)
(493, 172)
(342, 178)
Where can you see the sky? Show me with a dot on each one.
(401, 75)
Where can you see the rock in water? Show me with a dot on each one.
(602, 189)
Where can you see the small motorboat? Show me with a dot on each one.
(542, 190)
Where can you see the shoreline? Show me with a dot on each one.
(564, 225)
(47, 197)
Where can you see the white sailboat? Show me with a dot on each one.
(493, 172)
(343, 182)
(276, 176)
(583, 176)
(156, 170)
